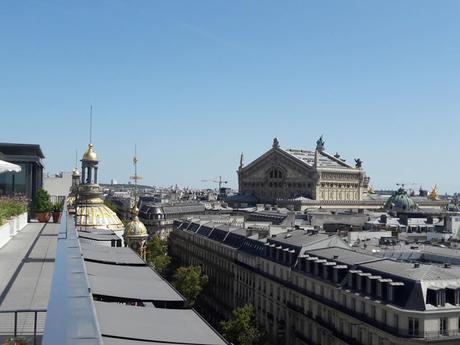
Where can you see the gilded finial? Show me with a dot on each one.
(135, 212)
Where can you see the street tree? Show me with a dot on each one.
(241, 328)
(157, 255)
(190, 281)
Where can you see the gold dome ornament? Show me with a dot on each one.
(95, 215)
(434, 195)
(75, 172)
(90, 154)
(135, 228)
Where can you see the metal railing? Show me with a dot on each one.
(363, 317)
(25, 323)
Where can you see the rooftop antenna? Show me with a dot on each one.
(135, 177)
(91, 124)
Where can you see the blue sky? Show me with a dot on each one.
(195, 83)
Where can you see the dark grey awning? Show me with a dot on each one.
(107, 236)
(114, 255)
(140, 283)
(154, 324)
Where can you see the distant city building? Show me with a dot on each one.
(159, 218)
(292, 173)
(72, 197)
(58, 184)
(313, 289)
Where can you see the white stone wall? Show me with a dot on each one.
(11, 228)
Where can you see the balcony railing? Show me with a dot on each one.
(28, 324)
(400, 332)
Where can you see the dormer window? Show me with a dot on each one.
(441, 298)
(453, 295)
(436, 296)
(390, 293)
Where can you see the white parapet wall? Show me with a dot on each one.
(12, 227)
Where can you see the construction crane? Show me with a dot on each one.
(403, 184)
(218, 180)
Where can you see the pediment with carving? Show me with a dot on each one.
(275, 159)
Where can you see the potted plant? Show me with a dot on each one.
(57, 211)
(42, 206)
(16, 341)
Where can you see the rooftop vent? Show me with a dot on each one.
(416, 264)
(447, 265)
(335, 257)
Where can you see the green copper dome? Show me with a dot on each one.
(400, 202)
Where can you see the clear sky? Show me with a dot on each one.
(195, 83)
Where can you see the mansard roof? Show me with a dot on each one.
(302, 241)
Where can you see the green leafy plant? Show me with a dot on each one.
(157, 255)
(242, 329)
(16, 341)
(42, 202)
(11, 207)
(58, 207)
(190, 281)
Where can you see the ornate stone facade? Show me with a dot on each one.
(288, 173)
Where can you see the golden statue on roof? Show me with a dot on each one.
(434, 194)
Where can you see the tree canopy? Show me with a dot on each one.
(190, 281)
(242, 329)
(156, 254)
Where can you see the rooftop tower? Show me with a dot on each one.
(92, 213)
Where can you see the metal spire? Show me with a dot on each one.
(91, 124)
(135, 177)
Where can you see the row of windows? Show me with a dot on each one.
(273, 299)
(276, 174)
(277, 184)
(335, 185)
(340, 195)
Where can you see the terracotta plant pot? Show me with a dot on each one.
(43, 217)
(57, 217)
